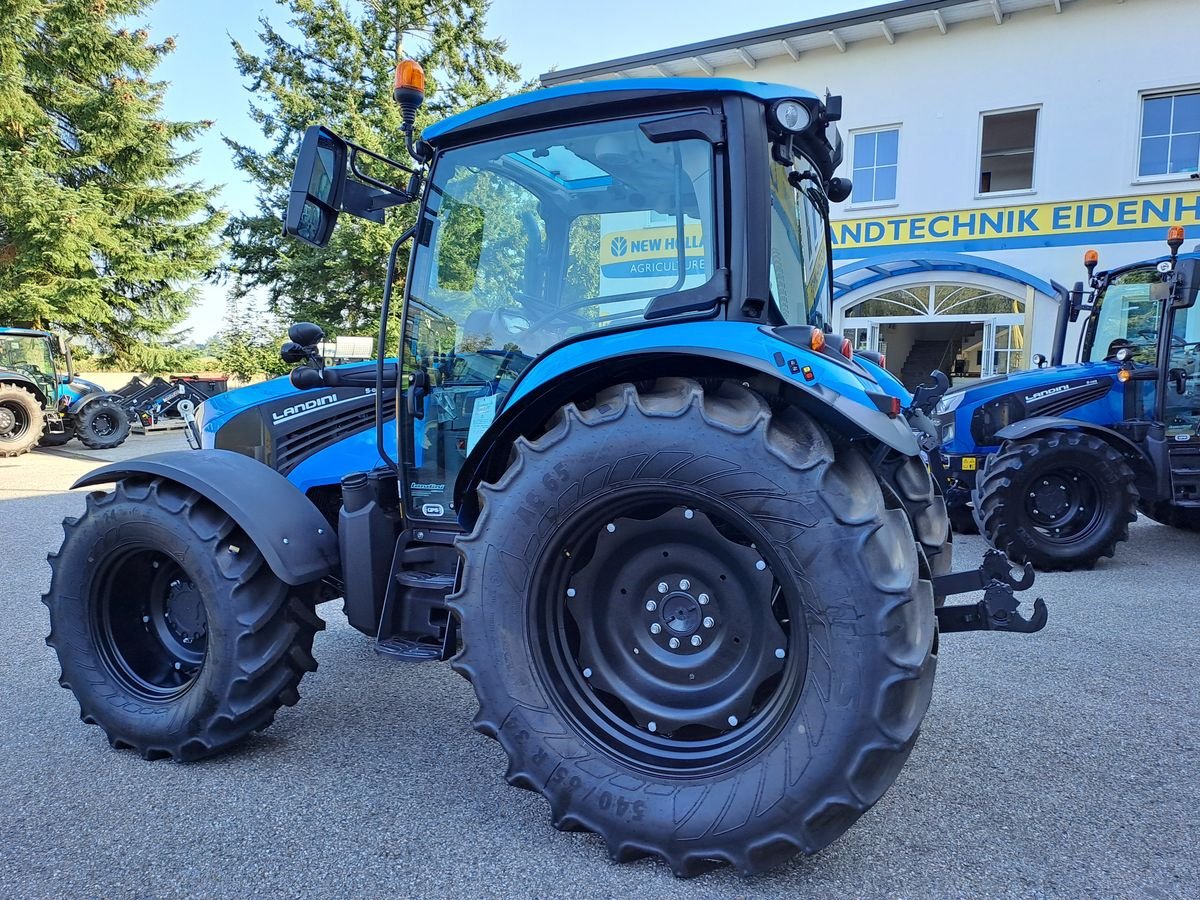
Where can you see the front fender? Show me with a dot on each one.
(835, 392)
(296, 541)
(1040, 424)
(77, 406)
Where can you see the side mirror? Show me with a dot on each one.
(306, 334)
(292, 353)
(317, 186)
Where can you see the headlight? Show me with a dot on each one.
(791, 115)
(947, 433)
(948, 404)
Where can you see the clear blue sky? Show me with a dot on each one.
(540, 34)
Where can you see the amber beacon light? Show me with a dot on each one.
(409, 91)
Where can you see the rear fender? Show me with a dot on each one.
(295, 539)
(25, 382)
(837, 394)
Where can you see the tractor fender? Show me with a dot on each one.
(295, 539)
(78, 405)
(1041, 424)
(9, 377)
(586, 366)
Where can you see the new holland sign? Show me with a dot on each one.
(1105, 221)
(650, 252)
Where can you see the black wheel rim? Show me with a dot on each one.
(149, 623)
(1064, 505)
(664, 634)
(103, 425)
(14, 422)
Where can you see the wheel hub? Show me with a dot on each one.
(681, 614)
(8, 422)
(184, 612)
(678, 632)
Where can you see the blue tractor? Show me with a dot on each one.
(677, 535)
(1052, 464)
(43, 402)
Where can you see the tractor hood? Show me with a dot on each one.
(1029, 382)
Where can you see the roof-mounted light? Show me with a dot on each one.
(791, 115)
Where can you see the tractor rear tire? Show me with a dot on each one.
(21, 420)
(694, 626)
(1059, 500)
(102, 425)
(172, 632)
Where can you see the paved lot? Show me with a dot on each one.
(1063, 764)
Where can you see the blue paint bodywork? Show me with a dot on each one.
(1102, 411)
(766, 91)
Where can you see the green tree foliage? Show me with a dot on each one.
(248, 344)
(340, 73)
(99, 233)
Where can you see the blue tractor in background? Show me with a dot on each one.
(42, 402)
(1052, 464)
(678, 536)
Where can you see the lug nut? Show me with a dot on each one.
(684, 584)
(652, 726)
(663, 587)
(687, 513)
(587, 673)
(780, 653)
(178, 666)
(611, 527)
(145, 618)
(760, 565)
(703, 598)
(697, 640)
(673, 643)
(732, 720)
(651, 606)
(709, 622)
(570, 592)
(655, 628)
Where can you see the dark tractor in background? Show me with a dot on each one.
(1053, 464)
(42, 402)
(676, 534)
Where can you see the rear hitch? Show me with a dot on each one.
(997, 611)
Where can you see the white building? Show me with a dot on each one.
(990, 142)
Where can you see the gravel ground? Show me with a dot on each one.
(1061, 764)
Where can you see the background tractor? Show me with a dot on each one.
(1052, 464)
(42, 402)
(676, 534)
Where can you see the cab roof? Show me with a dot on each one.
(521, 106)
(23, 332)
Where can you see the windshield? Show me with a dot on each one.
(30, 355)
(799, 259)
(1128, 317)
(526, 241)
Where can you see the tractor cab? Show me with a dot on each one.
(41, 357)
(1143, 319)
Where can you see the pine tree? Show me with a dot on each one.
(340, 74)
(99, 233)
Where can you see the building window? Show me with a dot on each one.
(1006, 151)
(1170, 142)
(875, 157)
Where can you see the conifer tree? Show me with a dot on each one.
(339, 73)
(100, 233)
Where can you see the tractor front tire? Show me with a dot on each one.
(695, 627)
(102, 425)
(1059, 500)
(172, 632)
(21, 420)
